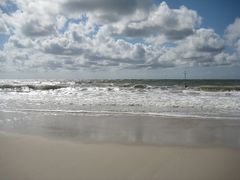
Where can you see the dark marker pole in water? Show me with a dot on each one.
(185, 79)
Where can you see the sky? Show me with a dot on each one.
(118, 39)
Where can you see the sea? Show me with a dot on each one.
(216, 99)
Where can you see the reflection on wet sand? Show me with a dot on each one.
(125, 129)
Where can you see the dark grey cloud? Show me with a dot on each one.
(153, 65)
(77, 37)
(97, 59)
(3, 28)
(58, 50)
(2, 58)
(207, 48)
(139, 53)
(119, 6)
(172, 34)
(108, 10)
(178, 34)
(58, 47)
(69, 61)
(34, 28)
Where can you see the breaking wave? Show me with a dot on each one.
(30, 87)
(218, 98)
(173, 85)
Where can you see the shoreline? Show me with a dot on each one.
(122, 113)
(125, 129)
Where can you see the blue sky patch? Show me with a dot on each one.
(9, 7)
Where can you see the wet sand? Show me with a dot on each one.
(125, 129)
(24, 157)
(49, 146)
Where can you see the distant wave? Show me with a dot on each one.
(32, 87)
(195, 85)
(219, 88)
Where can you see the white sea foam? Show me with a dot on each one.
(105, 97)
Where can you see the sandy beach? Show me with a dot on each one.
(61, 145)
(25, 157)
(49, 146)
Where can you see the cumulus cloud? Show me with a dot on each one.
(233, 32)
(174, 24)
(33, 18)
(232, 35)
(101, 34)
(204, 40)
(203, 48)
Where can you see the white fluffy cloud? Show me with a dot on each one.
(233, 32)
(174, 24)
(101, 34)
(199, 49)
(34, 18)
(232, 36)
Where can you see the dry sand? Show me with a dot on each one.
(25, 157)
